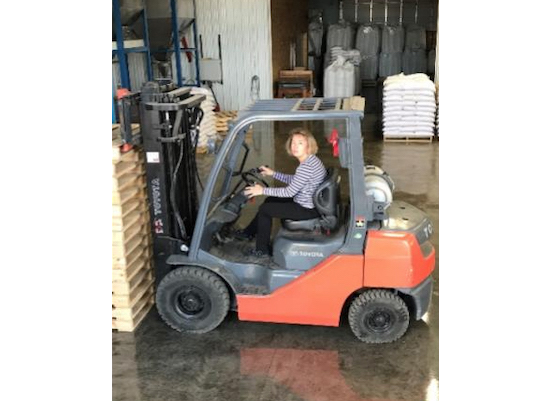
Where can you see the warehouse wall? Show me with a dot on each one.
(244, 26)
(289, 19)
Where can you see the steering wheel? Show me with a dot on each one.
(234, 202)
(252, 177)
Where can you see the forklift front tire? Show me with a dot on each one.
(192, 300)
(378, 316)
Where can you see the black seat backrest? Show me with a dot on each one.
(325, 199)
(326, 195)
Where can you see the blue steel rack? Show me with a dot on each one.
(177, 48)
(121, 51)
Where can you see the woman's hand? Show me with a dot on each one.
(265, 171)
(255, 190)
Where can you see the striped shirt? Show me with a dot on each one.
(301, 186)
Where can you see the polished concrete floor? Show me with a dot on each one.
(267, 362)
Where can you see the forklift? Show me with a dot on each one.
(367, 258)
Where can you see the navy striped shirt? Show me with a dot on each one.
(301, 186)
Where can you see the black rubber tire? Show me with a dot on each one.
(192, 300)
(378, 316)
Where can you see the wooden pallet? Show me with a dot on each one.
(201, 150)
(226, 115)
(121, 252)
(125, 195)
(121, 238)
(222, 118)
(128, 319)
(125, 208)
(129, 325)
(132, 272)
(126, 273)
(134, 155)
(125, 302)
(130, 218)
(354, 103)
(126, 285)
(121, 168)
(129, 259)
(125, 181)
(419, 139)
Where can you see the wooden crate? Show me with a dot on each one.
(306, 75)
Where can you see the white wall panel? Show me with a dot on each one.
(137, 72)
(244, 26)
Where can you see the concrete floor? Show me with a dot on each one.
(268, 362)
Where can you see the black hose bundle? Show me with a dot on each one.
(187, 154)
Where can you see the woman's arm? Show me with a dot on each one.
(285, 178)
(266, 171)
(296, 183)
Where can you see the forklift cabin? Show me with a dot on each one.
(370, 259)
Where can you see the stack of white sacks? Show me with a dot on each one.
(207, 127)
(408, 106)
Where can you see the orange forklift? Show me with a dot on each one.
(368, 258)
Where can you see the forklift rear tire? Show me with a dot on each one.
(192, 300)
(378, 316)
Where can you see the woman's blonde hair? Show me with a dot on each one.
(312, 147)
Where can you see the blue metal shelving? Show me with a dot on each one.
(121, 51)
(177, 46)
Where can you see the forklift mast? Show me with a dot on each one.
(169, 127)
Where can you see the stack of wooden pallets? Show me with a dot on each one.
(132, 271)
(222, 118)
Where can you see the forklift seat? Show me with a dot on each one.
(325, 200)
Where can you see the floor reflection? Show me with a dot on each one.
(256, 361)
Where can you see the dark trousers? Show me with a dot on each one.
(283, 208)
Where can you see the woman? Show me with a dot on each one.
(293, 201)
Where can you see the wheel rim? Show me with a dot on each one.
(192, 302)
(379, 320)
